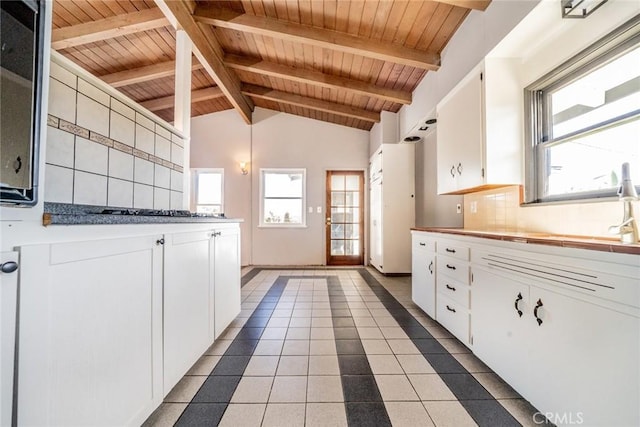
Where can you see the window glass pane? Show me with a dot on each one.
(337, 198)
(337, 182)
(209, 188)
(607, 92)
(277, 184)
(337, 247)
(337, 215)
(593, 162)
(283, 211)
(352, 215)
(352, 231)
(337, 231)
(209, 209)
(353, 183)
(352, 199)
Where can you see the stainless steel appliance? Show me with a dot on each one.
(21, 60)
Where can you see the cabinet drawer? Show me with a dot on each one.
(457, 291)
(453, 268)
(453, 317)
(420, 242)
(453, 250)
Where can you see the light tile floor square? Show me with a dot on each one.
(395, 388)
(252, 390)
(295, 348)
(326, 414)
(293, 365)
(284, 415)
(289, 389)
(431, 387)
(262, 366)
(324, 389)
(243, 414)
(268, 347)
(384, 364)
(408, 414)
(451, 413)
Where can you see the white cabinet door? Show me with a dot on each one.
(423, 283)
(8, 302)
(188, 293)
(226, 271)
(500, 334)
(90, 334)
(460, 137)
(586, 360)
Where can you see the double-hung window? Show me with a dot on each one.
(208, 190)
(282, 197)
(584, 121)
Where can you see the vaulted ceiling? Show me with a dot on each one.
(338, 61)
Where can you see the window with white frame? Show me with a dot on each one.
(208, 190)
(282, 197)
(584, 122)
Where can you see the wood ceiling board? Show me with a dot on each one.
(310, 103)
(196, 96)
(146, 73)
(210, 59)
(331, 40)
(330, 81)
(107, 28)
(468, 4)
(449, 26)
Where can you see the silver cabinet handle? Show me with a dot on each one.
(9, 267)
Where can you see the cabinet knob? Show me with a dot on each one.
(423, 244)
(9, 267)
(535, 312)
(160, 241)
(518, 299)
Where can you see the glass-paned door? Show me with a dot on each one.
(345, 218)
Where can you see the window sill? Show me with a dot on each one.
(267, 226)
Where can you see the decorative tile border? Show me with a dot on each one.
(74, 129)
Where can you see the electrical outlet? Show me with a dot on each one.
(459, 208)
(310, 209)
(319, 209)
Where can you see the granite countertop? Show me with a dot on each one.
(67, 214)
(578, 242)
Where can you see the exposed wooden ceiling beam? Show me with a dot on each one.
(335, 40)
(311, 103)
(108, 28)
(144, 74)
(468, 4)
(316, 78)
(207, 50)
(196, 96)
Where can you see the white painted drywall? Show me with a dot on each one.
(276, 140)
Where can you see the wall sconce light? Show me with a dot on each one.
(243, 168)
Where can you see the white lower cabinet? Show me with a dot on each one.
(226, 273)
(188, 302)
(578, 363)
(90, 342)
(107, 327)
(8, 305)
(423, 273)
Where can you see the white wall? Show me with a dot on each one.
(276, 140)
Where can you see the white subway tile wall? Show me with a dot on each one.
(102, 152)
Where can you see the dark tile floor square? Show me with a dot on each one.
(354, 364)
(217, 389)
(444, 363)
(266, 306)
(257, 322)
(343, 322)
(367, 414)
(262, 313)
(201, 415)
(231, 365)
(465, 387)
(340, 312)
(249, 333)
(346, 333)
(416, 332)
(349, 346)
(360, 388)
(429, 346)
(339, 305)
(241, 348)
(489, 413)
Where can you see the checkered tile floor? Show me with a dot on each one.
(337, 347)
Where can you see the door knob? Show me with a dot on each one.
(9, 267)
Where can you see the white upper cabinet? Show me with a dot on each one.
(479, 130)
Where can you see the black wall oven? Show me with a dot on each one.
(22, 25)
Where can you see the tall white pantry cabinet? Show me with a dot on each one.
(392, 212)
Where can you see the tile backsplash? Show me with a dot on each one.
(499, 210)
(100, 151)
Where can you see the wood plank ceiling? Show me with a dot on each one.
(339, 61)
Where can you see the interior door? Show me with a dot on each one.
(8, 304)
(345, 218)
